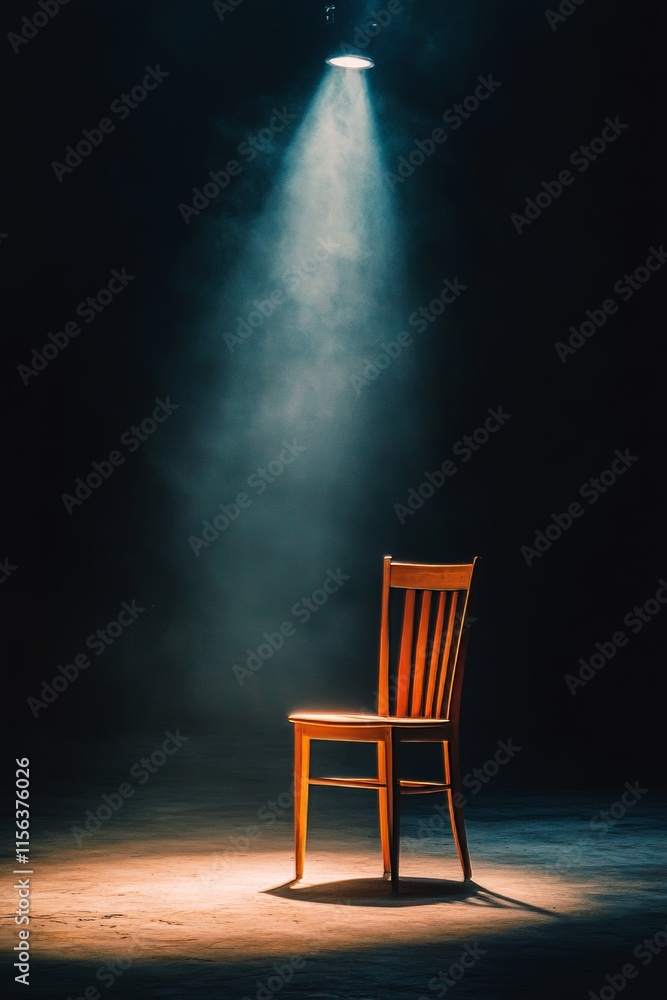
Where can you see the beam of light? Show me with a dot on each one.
(325, 245)
(351, 62)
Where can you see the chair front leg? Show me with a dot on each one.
(301, 777)
(392, 762)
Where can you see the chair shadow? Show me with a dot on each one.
(412, 892)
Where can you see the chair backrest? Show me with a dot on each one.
(429, 652)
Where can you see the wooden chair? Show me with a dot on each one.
(425, 709)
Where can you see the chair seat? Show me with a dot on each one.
(358, 719)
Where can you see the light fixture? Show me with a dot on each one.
(351, 62)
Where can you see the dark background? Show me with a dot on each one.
(119, 208)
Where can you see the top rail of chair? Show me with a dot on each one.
(430, 576)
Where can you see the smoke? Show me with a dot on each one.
(287, 462)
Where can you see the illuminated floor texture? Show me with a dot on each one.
(179, 893)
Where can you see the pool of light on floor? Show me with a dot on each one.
(153, 901)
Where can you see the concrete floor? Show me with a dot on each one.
(181, 892)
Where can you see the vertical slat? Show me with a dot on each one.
(383, 685)
(444, 668)
(420, 655)
(458, 660)
(435, 657)
(405, 658)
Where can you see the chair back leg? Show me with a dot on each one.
(383, 803)
(454, 797)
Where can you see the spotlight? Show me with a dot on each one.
(329, 13)
(351, 62)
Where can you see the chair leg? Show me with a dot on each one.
(384, 809)
(301, 776)
(454, 796)
(393, 806)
